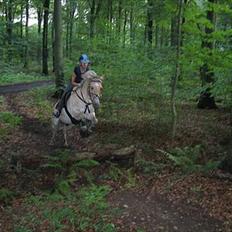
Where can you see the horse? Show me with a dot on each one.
(79, 109)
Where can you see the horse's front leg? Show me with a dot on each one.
(65, 136)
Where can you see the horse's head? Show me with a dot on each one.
(95, 88)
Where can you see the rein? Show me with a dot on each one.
(87, 104)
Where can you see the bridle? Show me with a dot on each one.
(91, 94)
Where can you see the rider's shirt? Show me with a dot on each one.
(77, 71)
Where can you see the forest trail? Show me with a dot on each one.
(15, 88)
(140, 209)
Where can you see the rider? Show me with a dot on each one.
(76, 79)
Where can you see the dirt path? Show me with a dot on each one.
(14, 88)
(153, 213)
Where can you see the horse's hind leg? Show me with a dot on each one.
(55, 125)
(65, 136)
(52, 141)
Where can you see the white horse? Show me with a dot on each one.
(79, 108)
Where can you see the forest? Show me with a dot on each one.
(154, 153)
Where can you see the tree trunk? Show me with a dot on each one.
(149, 26)
(45, 37)
(9, 20)
(119, 17)
(21, 22)
(58, 48)
(110, 18)
(156, 35)
(131, 24)
(26, 36)
(177, 71)
(94, 11)
(150, 22)
(67, 35)
(162, 37)
(39, 15)
(72, 12)
(206, 100)
(124, 28)
(174, 31)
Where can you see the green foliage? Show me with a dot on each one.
(8, 122)
(6, 195)
(115, 173)
(149, 168)
(10, 119)
(88, 163)
(85, 210)
(60, 215)
(22, 229)
(58, 160)
(131, 178)
(92, 207)
(188, 159)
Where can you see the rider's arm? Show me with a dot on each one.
(73, 80)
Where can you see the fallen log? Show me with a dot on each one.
(124, 155)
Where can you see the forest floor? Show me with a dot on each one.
(160, 198)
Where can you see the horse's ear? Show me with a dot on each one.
(101, 78)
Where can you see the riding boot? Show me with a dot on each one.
(59, 106)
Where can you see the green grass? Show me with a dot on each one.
(12, 78)
(8, 121)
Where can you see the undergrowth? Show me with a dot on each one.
(8, 121)
(84, 210)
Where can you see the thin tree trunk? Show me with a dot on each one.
(177, 71)
(162, 37)
(21, 22)
(26, 35)
(150, 22)
(110, 18)
(131, 24)
(124, 28)
(45, 37)
(206, 99)
(94, 11)
(58, 48)
(174, 31)
(119, 17)
(156, 35)
(9, 20)
(67, 37)
(149, 26)
(39, 15)
(73, 8)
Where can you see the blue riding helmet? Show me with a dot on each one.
(84, 59)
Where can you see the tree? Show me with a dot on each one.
(206, 99)
(26, 35)
(45, 37)
(177, 69)
(149, 26)
(58, 48)
(95, 6)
